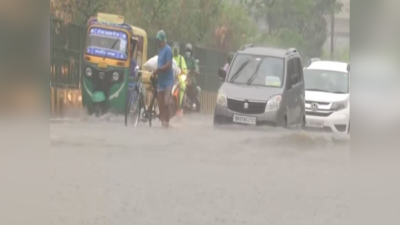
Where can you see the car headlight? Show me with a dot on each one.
(115, 76)
(339, 105)
(273, 103)
(221, 99)
(89, 72)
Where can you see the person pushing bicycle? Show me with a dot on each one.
(165, 77)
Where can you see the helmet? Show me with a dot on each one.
(189, 47)
(175, 49)
(230, 57)
(175, 45)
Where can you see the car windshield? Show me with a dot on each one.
(257, 70)
(107, 43)
(326, 81)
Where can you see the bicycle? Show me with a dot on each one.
(136, 103)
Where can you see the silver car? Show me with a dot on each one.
(263, 86)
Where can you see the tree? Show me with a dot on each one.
(295, 23)
(63, 9)
(234, 28)
(78, 11)
(195, 21)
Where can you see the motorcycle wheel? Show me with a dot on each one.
(198, 105)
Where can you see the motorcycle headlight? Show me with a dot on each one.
(339, 105)
(221, 99)
(115, 76)
(89, 72)
(273, 103)
(183, 78)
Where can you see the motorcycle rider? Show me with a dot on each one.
(193, 69)
(190, 60)
(180, 60)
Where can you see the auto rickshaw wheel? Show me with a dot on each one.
(90, 111)
(97, 108)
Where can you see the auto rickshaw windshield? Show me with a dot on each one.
(107, 43)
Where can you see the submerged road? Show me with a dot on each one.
(193, 173)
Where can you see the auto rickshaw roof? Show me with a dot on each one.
(139, 31)
(132, 29)
(125, 26)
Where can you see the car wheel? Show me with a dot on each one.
(215, 122)
(285, 122)
(348, 130)
(303, 123)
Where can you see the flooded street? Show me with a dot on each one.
(194, 173)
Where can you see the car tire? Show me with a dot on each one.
(303, 123)
(215, 122)
(284, 122)
(348, 130)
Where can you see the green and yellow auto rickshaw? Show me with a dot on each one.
(112, 47)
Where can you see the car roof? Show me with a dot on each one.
(274, 52)
(329, 65)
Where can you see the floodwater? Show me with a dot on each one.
(193, 173)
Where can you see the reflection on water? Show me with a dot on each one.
(200, 127)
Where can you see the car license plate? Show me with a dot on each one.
(313, 123)
(244, 119)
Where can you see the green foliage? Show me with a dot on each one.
(218, 24)
(77, 11)
(296, 23)
(223, 25)
(183, 20)
(233, 28)
(88, 8)
(341, 55)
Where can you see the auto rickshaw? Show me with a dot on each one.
(111, 48)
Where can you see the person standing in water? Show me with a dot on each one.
(165, 76)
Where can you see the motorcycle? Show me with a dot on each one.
(191, 98)
(190, 102)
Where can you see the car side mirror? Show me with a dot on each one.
(222, 73)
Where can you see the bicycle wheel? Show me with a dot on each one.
(156, 110)
(132, 112)
(150, 111)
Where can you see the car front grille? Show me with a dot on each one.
(252, 107)
(320, 113)
(319, 103)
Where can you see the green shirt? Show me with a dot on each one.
(181, 63)
(191, 64)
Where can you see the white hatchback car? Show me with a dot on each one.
(327, 100)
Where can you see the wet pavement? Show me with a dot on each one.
(193, 173)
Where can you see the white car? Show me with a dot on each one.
(327, 100)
